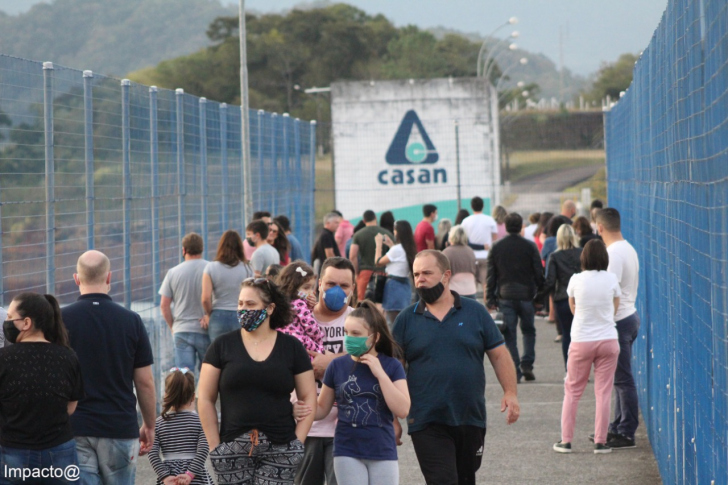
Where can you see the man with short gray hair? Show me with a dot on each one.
(326, 246)
(116, 359)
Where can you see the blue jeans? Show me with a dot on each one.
(222, 322)
(626, 405)
(187, 345)
(107, 461)
(15, 461)
(512, 310)
(565, 318)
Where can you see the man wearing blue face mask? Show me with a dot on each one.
(337, 296)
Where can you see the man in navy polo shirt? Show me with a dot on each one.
(445, 339)
(115, 356)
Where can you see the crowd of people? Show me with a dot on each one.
(290, 372)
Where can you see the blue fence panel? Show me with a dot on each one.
(133, 169)
(667, 165)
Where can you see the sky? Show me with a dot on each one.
(594, 31)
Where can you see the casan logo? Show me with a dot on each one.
(412, 146)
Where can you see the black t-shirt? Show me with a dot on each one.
(257, 395)
(325, 241)
(110, 342)
(37, 381)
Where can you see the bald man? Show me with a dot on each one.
(568, 209)
(115, 355)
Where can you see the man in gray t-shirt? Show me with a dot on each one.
(256, 233)
(183, 286)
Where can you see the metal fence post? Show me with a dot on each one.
(312, 155)
(261, 168)
(286, 161)
(274, 159)
(181, 189)
(88, 107)
(297, 215)
(203, 169)
(49, 178)
(224, 166)
(154, 159)
(126, 205)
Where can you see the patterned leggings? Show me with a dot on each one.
(253, 460)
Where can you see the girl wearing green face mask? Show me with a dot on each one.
(370, 389)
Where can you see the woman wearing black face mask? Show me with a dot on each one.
(40, 385)
(254, 370)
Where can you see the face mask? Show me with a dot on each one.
(335, 298)
(10, 331)
(302, 295)
(356, 346)
(251, 319)
(250, 241)
(431, 295)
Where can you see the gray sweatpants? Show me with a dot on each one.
(353, 471)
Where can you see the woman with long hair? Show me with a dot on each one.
(460, 216)
(593, 298)
(499, 215)
(40, 386)
(278, 239)
(253, 372)
(462, 263)
(443, 230)
(369, 377)
(563, 264)
(398, 261)
(386, 221)
(221, 284)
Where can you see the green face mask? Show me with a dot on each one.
(356, 346)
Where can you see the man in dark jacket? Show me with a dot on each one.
(515, 276)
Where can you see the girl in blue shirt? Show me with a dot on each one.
(370, 389)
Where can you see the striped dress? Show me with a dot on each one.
(182, 445)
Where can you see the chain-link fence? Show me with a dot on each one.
(667, 148)
(88, 161)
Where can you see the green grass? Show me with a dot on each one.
(597, 184)
(324, 198)
(525, 164)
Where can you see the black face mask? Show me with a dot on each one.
(431, 295)
(250, 241)
(10, 331)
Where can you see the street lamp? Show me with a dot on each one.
(494, 61)
(511, 21)
(494, 52)
(523, 61)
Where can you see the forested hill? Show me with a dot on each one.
(109, 36)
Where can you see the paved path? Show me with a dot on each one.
(543, 192)
(521, 453)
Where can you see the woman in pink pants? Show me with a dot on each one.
(593, 297)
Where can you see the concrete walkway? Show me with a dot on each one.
(521, 453)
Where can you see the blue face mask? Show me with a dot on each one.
(335, 298)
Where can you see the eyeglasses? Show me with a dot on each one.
(257, 281)
(183, 370)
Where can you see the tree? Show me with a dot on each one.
(612, 79)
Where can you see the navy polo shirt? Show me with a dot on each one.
(446, 375)
(110, 342)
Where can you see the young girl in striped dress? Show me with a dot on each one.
(178, 435)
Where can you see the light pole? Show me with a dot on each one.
(522, 62)
(485, 66)
(247, 211)
(493, 62)
(511, 21)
